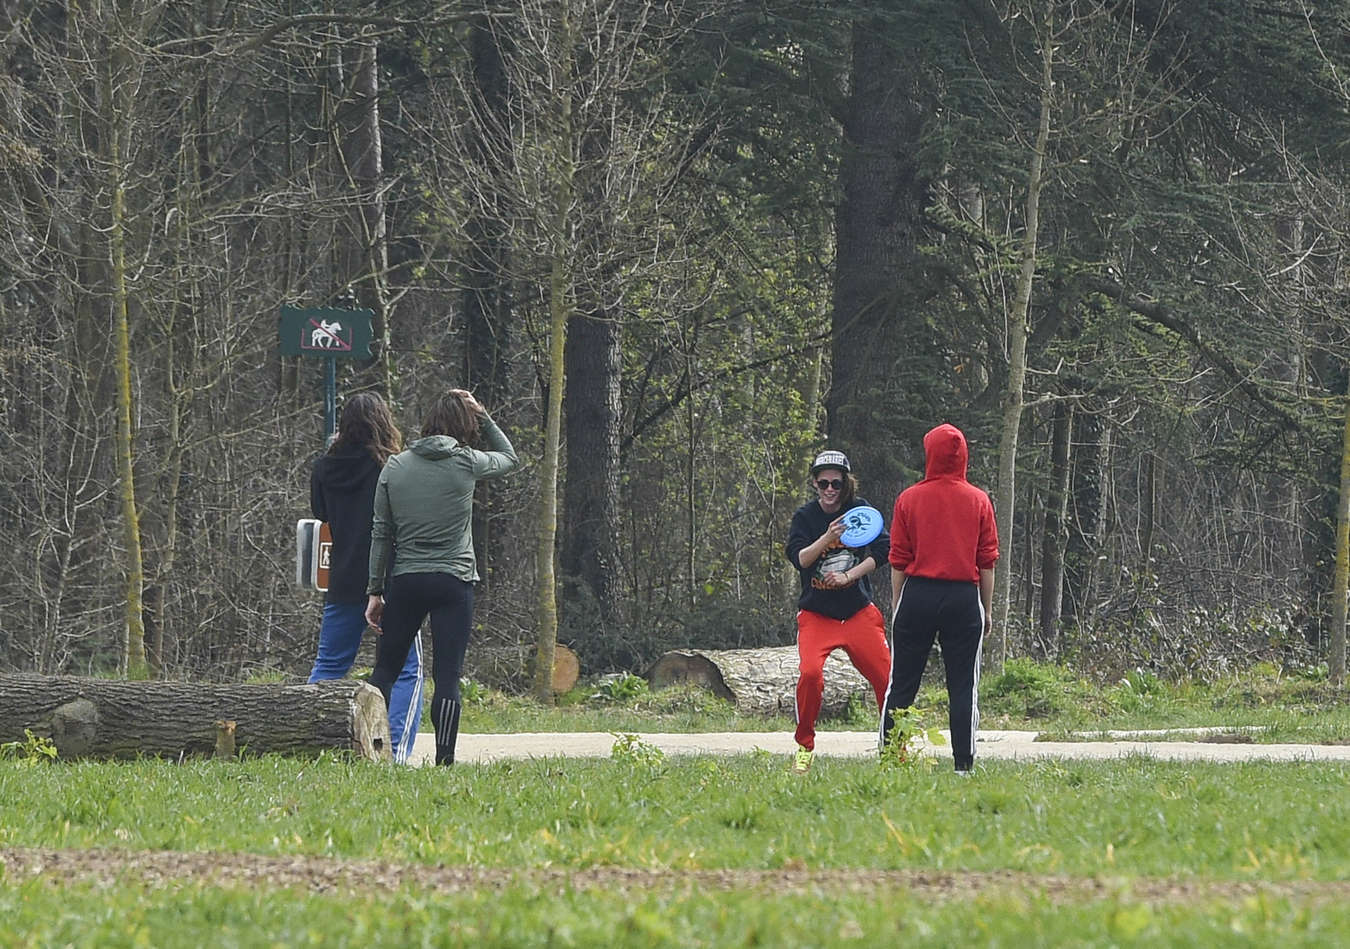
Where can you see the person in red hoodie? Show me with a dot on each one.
(944, 544)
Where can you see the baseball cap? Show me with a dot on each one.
(830, 459)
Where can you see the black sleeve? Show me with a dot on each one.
(798, 537)
(316, 502)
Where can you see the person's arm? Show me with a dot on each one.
(809, 554)
(381, 544)
(897, 584)
(316, 503)
(860, 569)
(500, 456)
(987, 598)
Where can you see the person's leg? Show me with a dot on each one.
(961, 640)
(911, 641)
(406, 603)
(865, 643)
(405, 703)
(451, 619)
(339, 639)
(817, 636)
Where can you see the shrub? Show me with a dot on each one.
(1029, 688)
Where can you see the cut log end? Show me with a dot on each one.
(370, 724)
(678, 668)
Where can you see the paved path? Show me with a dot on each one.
(1015, 745)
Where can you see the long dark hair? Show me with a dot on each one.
(451, 416)
(850, 492)
(367, 423)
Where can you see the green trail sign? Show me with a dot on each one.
(329, 332)
(325, 331)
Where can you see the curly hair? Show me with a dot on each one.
(367, 423)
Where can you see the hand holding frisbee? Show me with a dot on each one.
(862, 525)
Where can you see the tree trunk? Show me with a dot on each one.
(560, 309)
(875, 324)
(486, 298)
(589, 558)
(368, 268)
(1018, 330)
(133, 642)
(105, 718)
(1055, 533)
(1087, 516)
(1341, 586)
(759, 681)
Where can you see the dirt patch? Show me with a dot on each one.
(156, 868)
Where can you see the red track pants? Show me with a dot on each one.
(862, 636)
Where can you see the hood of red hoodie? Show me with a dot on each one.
(945, 453)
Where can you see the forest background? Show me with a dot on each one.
(677, 248)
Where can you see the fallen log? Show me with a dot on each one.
(759, 681)
(108, 718)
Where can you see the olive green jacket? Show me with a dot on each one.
(424, 505)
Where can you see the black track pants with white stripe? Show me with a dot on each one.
(448, 600)
(949, 611)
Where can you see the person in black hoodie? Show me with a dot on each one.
(835, 609)
(342, 492)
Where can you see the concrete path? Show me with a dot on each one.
(1014, 745)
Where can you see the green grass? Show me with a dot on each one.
(37, 914)
(1133, 851)
(588, 709)
(1026, 695)
(1258, 820)
(1242, 830)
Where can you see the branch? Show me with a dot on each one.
(1163, 315)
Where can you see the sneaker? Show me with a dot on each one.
(964, 768)
(801, 761)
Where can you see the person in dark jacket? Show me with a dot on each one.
(423, 517)
(944, 544)
(342, 493)
(835, 609)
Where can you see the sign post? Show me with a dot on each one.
(328, 332)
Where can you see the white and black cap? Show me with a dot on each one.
(830, 459)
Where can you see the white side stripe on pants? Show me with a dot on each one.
(412, 714)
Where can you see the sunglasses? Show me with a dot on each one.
(826, 483)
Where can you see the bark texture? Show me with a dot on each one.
(106, 718)
(759, 681)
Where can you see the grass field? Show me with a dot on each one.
(641, 850)
(689, 851)
(1026, 695)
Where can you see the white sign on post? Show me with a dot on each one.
(313, 554)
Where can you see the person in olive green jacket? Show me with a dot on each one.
(423, 517)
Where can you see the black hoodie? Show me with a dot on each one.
(342, 492)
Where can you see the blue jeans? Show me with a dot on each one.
(340, 638)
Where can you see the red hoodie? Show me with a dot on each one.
(943, 527)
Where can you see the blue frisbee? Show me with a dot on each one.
(862, 525)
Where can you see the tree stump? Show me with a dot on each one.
(107, 718)
(566, 669)
(512, 667)
(760, 681)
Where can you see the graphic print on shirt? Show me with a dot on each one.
(836, 559)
